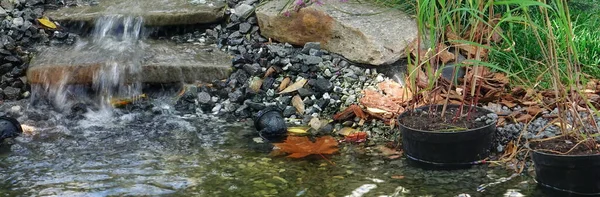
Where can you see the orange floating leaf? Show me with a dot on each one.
(299, 147)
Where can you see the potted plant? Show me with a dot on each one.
(569, 163)
(447, 133)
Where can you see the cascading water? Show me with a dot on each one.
(116, 45)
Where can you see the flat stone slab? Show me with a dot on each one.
(156, 62)
(154, 12)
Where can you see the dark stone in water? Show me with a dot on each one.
(271, 124)
(9, 128)
(12, 93)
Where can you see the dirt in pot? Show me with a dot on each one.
(566, 145)
(431, 119)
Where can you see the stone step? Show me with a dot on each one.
(160, 62)
(154, 12)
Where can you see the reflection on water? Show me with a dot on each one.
(173, 154)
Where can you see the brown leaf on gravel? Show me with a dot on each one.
(270, 72)
(501, 121)
(284, 84)
(534, 110)
(508, 104)
(298, 104)
(295, 86)
(524, 118)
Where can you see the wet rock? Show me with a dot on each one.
(374, 39)
(204, 98)
(12, 93)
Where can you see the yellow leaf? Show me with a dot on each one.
(46, 22)
(298, 130)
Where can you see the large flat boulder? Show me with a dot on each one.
(155, 62)
(361, 32)
(154, 12)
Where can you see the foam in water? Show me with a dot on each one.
(117, 43)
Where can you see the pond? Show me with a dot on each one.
(109, 153)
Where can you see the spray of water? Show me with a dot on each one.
(116, 44)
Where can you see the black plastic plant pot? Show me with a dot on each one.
(446, 150)
(9, 128)
(270, 124)
(571, 175)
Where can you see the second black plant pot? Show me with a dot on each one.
(447, 150)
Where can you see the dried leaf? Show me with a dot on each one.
(501, 121)
(270, 72)
(298, 130)
(525, 118)
(299, 84)
(284, 83)
(298, 104)
(508, 104)
(534, 110)
(45, 21)
(299, 147)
